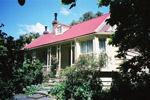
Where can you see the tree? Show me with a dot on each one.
(11, 57)
(74, 22)
(28, 37)
(132, 34)
(21, 2)
(99, 13)
(14, 74)
(86, 16)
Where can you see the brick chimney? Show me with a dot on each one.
(45, 32)
(55, 22)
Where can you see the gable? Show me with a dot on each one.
(60, 29)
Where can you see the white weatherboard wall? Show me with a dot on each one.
(113, 62)
(111, 52)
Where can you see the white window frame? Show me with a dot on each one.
(102, 46)
(86, 43)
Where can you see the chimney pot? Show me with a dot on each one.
(55, 15)
(45, 32)
(45, 28)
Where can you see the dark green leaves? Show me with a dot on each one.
(21, 2)
(103, 2)
(72, 3)
(67, 1)
(132, 37)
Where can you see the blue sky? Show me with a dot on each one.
(35, 14)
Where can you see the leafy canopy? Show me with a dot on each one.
(14, 74)
(86, 16)
(132, 36)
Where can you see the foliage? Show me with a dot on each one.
(30, 90)
(123, 89)
(84, 84)
(14, 74)
(67, 70)
(53, 69)
(86, 16)
(132, 35)
(82, 81)
(71, 2)
(11, 57)
(6, 89)
(28, 37)
(54, 65)
(29, 73)
(68, 1)
(21, 2)
(59, 91)
(47, 77)
(91, 61)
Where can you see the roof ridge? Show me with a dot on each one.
(81, 22)
(90, 19)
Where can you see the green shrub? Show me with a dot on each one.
(11, 57)
(124, 88)
(6, 89)
(59, 91)
(30, 90)
(91, 61)
(67, 71)
(14, 74)
(84, 84)
(46, 78)
(29, 73)
(82, 81)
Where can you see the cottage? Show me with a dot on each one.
(67, 43)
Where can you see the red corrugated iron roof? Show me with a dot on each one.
(77, 30)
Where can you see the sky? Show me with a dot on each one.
(35, 14)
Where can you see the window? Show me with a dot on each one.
(83, 47)
(102, 44)
(87, 46)
(59, 29)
